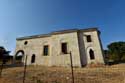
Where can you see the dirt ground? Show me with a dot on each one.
(41, 74)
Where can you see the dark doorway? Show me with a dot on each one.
(19, 56)
(91, 53)
(64, 48)
(33, 58)
(46, 50)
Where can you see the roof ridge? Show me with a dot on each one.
(56, 32)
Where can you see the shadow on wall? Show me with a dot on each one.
(83, 56)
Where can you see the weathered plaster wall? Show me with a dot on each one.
(76, 42)
(95, 46)
(55, 58)
(64, 59)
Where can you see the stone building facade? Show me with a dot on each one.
(53, 49)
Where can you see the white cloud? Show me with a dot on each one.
(3, 43)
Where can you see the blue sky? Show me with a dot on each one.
(29, 17)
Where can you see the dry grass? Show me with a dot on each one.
(41, 74)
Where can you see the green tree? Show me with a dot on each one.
(3, 53)
(117, 50)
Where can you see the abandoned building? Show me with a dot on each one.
(53, 49)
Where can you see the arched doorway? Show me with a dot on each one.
(33, 58)
(19, 56)
(91, 53)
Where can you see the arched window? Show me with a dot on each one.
(33, 58)
(91, 53)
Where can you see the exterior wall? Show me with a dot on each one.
(34, 46)
(76, 43)
(64, 59)
(95, 45)
(55, 58)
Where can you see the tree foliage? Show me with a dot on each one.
(117, 51)
(3, 52)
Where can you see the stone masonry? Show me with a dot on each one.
(53, 49)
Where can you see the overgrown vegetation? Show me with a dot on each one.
(42, 74)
